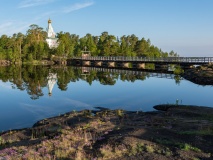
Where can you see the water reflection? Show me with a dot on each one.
(25, 91)
(34, 78)
(52, 78)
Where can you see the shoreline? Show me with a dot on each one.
(201, 75)
(179, 131)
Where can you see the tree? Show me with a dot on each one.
(20, 37)
(127, 45)
(35, 43)
(142, 48)
(108, 45)
(67, 44)
(90, 43)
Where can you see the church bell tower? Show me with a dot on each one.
(51, 38)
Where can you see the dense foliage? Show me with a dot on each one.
(33, 46)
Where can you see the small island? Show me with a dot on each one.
(202, 75)
(171, 132)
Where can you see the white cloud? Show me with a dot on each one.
(5, 25)
(38, 111)
(11, 27)
(78, 6)
(75, 103)
(33, 3)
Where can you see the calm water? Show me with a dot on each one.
(30, 93)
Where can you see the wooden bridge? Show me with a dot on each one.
(138, 62)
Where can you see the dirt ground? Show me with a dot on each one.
(173, 132)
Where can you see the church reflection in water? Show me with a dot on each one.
(52, 78)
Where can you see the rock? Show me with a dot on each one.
(164, 107)
(200, 75)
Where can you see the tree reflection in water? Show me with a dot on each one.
(34, 78)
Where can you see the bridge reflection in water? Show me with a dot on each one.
(147, 73)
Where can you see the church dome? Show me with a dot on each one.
(49, 21)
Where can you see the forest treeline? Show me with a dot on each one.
(33, 46)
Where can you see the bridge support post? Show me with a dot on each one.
(125, 65)
(141, 65)
(86, 63)
(111, 64)
(98, 63)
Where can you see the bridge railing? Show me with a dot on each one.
(150, 59)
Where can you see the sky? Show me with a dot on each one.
(184, 26)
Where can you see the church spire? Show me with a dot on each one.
(51, 38)
(50, 31)
(49, 21)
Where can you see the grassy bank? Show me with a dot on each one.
(180, 132)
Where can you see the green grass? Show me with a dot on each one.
(183, 146)
(188, 147)
(149, 149)
(138, 148)
(119, 113)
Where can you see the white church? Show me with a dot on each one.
(52, 41)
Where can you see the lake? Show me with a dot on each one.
(32, 93)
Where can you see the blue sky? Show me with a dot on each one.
(185, 26)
